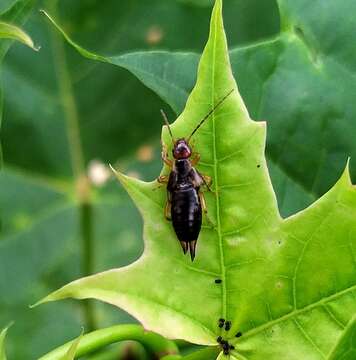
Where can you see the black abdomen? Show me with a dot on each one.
(186, 214)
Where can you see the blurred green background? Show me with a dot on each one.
(65, 118)
(41, 246)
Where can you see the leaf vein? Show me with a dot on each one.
(222, 259)
(308, 338)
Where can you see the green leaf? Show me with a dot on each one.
(11, 16)
(171, 75)
(301, 65)
(18, 11)
(208, 353)
(287, 284)
(3, 334)
(40, 241)
(345, 348)
(9, 31)
(70, 355)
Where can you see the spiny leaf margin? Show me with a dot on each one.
(245, 314)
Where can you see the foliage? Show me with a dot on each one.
(41, 244)
(70, 355)
(345, 348)
(276, 309)
(9, 31)
(2, 344)
(301, 66)
(17, 12)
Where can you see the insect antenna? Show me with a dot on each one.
(165, 119)
(210, 112)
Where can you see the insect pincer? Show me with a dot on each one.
(184, 245)
(192, 246)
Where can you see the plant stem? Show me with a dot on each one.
(86, 228)
(83, 190)
(154, 343)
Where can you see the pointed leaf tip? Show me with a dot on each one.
(85, 53)
(70, 355)
(12, 32)
(346, 174)
(3, 334)
(348, 170)
(250, 238)
(121, 177)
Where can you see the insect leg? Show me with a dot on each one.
(195, 159)
(205, 208)
(164, 156)
(206, 180)
(203, 202)
(163, 179)
(167, 210)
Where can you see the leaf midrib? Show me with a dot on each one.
(221, 248)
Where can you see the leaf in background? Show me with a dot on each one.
(289, 81)
(9, 31)
(3, 334)
(287, 285)
(18, 11)
(346, 346)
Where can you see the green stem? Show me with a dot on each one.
(86, 228)
(124, 350)
(154, 343)
(77, 160)
(67, 99)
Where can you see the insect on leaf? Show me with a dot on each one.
(288, 285)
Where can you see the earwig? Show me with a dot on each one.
(185, 200)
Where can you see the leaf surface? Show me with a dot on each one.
(301, 65)
(3, 334)
(287, 285)
(9, 31)
(70, 355)
(345, 349)
(17, 12)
